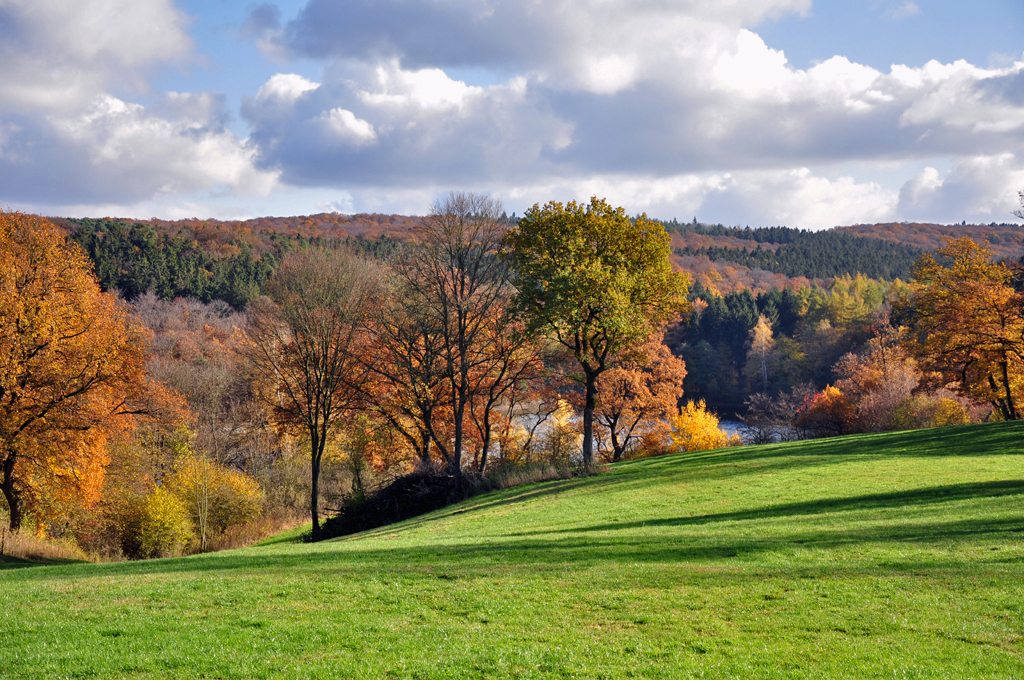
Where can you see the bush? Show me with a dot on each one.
(157, 525)
(696, 429)
(929, 410)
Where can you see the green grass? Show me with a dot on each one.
(895, 556)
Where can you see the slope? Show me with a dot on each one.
(872, 555)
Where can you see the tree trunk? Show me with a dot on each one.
(588, 419)
(1010, 406)
(460, 416)
(13, 502)
(616, 447)
(314, 489)
(486, 441)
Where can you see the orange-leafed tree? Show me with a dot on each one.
(509, 362)
(827, 413)
(640, 392)
(967, 323)
(405, 368)
(70, 359)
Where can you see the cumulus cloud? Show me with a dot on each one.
(975, 188)
(124, 152)
(650, 91)
(66, 138)
(59, 54)
(384, 125)
(674, 108)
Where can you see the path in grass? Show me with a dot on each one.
(894, 555)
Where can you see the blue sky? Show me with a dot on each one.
(796, 112)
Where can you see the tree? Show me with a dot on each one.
(305, 342)
(966, 322)
(638, 393)
(761, 344)
(406, 385)
(596, 280)
(70, 358)
(459, 281)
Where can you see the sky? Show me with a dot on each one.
(802, 113)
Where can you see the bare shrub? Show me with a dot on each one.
(242, 535)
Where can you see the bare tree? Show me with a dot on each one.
(305, 342)
(458, 277)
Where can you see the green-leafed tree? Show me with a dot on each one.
(597, 281)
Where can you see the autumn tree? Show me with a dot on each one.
(880, 379)
(305, 340)
(70, 358)
(966, 322)
(459, 281)
(640, 391)
(406, 368)
(761, 344)
(511, 361)
(598, 281)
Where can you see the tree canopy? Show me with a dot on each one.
(70, 358)
(598, 281)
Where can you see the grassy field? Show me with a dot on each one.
(896, 556)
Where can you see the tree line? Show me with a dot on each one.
(480, 352)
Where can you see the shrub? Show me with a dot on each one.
(827, 413)
(929, 410)
(696, 429)
(157, 525)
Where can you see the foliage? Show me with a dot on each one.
(696, 429)
(879, 380)
(827, 413)
(134, 258)
(217, 497)
(155, 525)
(596, 280)
(460, 286)
(814, 254)
(966, 323)
(638, 394)
(70, 360)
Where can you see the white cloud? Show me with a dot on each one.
(975, 188)
(346, 127)
(59, 54)
(904, 9)
(430, 89)
(63, 134)
(285, 87)
(678, 108)
(117, 150)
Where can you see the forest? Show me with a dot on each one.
(185, 387)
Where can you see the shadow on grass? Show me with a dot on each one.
(10, 562)
(964, 440)
(628, 541)
(530, 555)
(722, 548)
(874, 501)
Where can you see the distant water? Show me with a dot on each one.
(731, 427)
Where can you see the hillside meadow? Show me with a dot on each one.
(885, 555)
